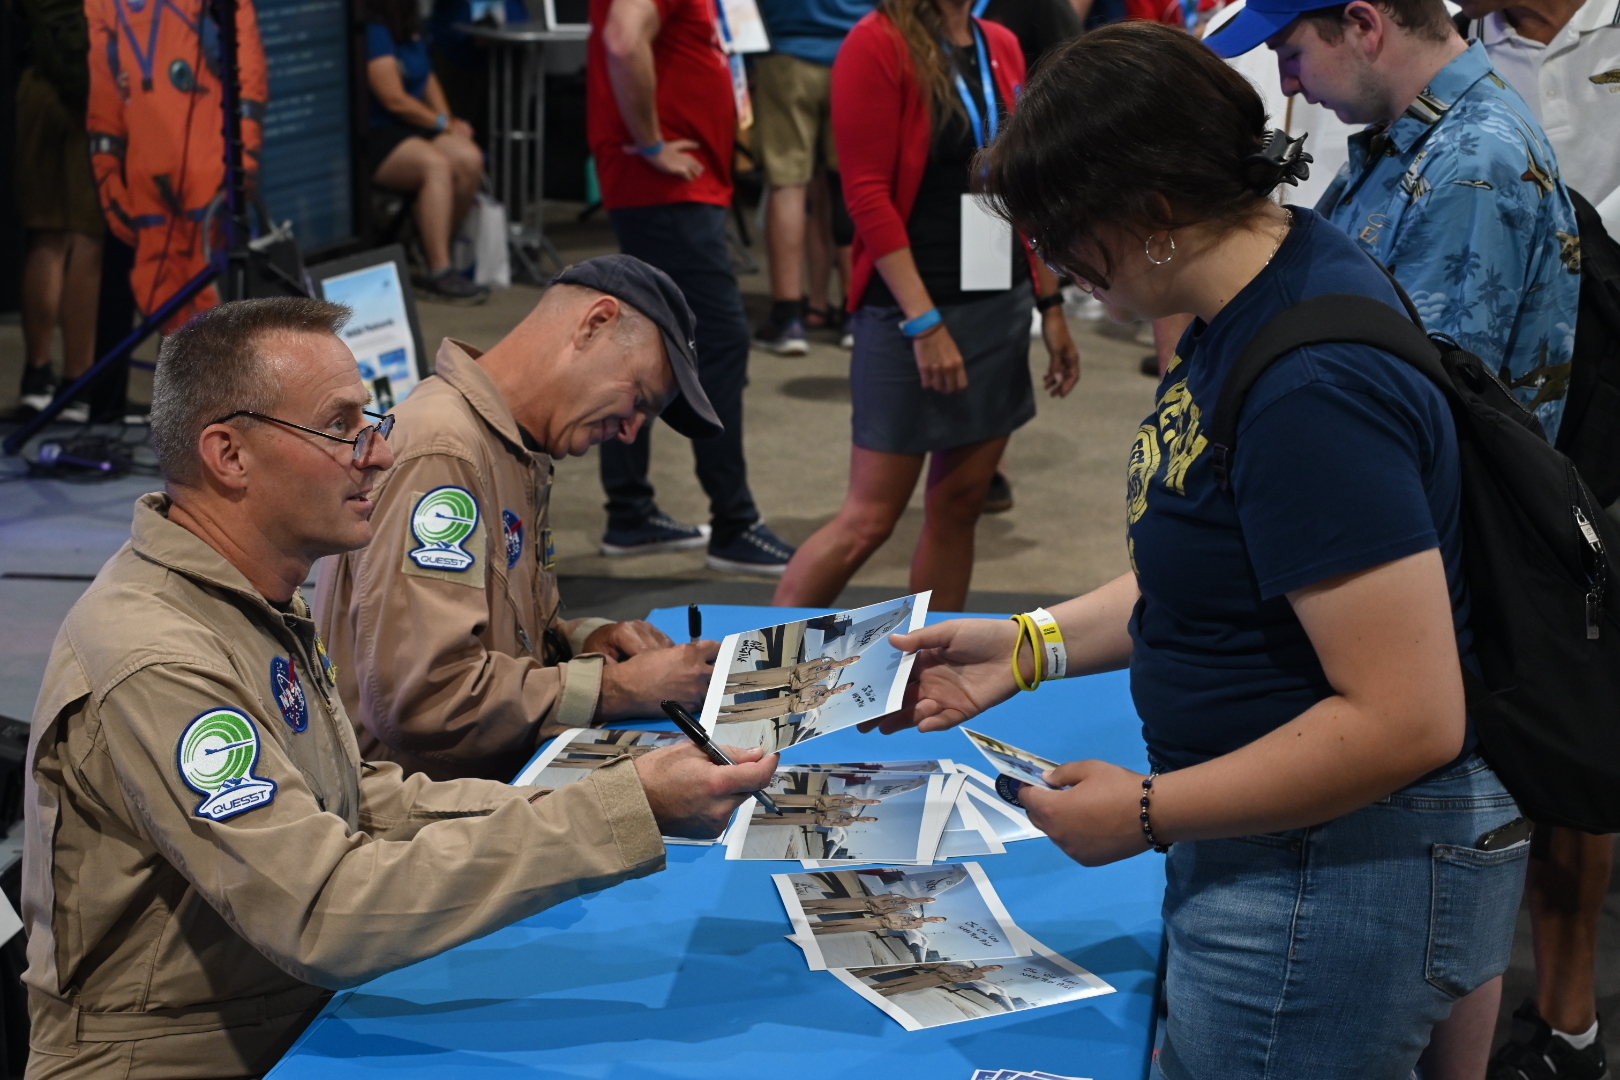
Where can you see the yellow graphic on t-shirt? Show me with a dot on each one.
(1144, 463)
(1174, 437)
(1179, 424)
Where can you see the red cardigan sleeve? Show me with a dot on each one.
(871, 80)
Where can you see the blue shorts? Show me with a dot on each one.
(1332, 951)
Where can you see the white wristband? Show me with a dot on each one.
(1057, 657)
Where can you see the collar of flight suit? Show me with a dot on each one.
(457, 364)
(157, 539)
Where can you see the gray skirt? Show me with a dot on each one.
(895, 415)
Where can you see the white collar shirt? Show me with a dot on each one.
(1573, 86)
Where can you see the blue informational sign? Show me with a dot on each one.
(306, 176)
(379, 331)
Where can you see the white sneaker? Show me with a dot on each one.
(74, 412)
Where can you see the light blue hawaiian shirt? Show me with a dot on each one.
(1460, 198)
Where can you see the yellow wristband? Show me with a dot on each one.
(1027, 629)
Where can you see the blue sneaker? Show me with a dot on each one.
(660, 533)
(757, 551)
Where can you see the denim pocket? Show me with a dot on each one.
(1472, 909)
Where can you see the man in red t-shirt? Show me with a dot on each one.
(662, 118)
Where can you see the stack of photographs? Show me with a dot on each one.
(928, 946)
(783, 685)
(914, 812)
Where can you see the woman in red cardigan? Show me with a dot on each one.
(941, 363)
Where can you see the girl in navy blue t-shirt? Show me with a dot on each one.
(1294, 642)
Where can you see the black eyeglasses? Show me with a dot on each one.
(1086, 282)
(361, 441)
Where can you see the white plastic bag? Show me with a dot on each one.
(480, 243)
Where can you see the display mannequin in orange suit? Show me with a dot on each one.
(157, 142)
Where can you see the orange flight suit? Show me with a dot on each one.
(157, 143)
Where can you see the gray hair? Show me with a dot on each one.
(212, 367)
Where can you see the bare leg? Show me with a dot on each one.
(1460, 1047)
(418, 165)
(880, 485)
(1567, 882)
(785, 230)
(957, 481)
(81, 294)
(43, 273)
(818, 241)
(467, 172)
(1166, 334)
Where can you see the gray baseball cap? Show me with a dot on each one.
(650, 291)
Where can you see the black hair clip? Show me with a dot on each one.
(1285, 158)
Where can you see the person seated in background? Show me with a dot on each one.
(415, 144)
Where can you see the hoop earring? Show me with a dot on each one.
(1147, 246)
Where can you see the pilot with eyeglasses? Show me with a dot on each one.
(208, 854)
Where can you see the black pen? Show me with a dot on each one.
(694, 622)
(700, 738)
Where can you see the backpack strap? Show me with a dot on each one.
(1336, 318)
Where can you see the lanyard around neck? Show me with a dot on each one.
(974, 118)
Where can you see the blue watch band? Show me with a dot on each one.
(651, 151)
(922, 323)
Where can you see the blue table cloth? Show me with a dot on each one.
(686, 974)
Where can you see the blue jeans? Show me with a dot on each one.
(1332, 951)
(687, 241)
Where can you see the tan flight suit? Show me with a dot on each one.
(881, 904)
(926, 978)
(895, 921)
(823, 802)
(797, 677)
(450, 672)
(807, 816)
(801, 701)
(192, 899)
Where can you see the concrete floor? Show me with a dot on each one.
(1064, 535)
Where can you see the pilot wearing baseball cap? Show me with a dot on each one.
(446, 633)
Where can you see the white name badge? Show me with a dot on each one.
(987, 243)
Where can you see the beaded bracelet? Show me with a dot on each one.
(1147, 826)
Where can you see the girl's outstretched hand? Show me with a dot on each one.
(963, 667)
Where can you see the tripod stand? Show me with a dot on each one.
(229, 265)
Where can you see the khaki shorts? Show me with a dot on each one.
(792, 118)
(56, 190)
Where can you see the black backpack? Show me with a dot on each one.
(1590, 431)
(1538, 556)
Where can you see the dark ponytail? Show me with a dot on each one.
(1133, 126)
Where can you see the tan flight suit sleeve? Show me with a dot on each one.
(430, 683)
(334, 907)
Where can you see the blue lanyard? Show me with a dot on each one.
(989, 95)
(979, 8)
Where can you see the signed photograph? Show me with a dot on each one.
(929, 995)
(783, 685)
(846, 817)
(884, 916)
